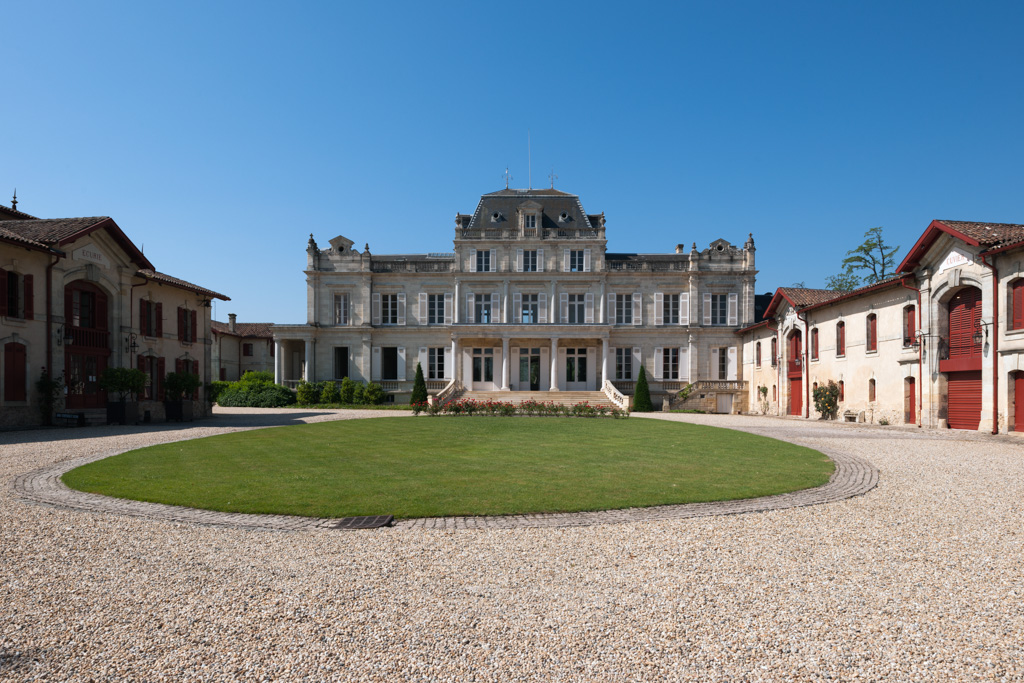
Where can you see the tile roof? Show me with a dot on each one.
(176, 282)
(988, 234)
(50, 230)
(801, 297)
(12, 236)
(262, 330)
(8, 212)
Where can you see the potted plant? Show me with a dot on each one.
(127, 383)
(178, 390)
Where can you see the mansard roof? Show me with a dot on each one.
(505, 203)
(987, 235)
(56, 232)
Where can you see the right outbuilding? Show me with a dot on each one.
(938, 345)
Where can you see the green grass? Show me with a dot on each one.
(424, 467)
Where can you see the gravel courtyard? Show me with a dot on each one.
(922, 579)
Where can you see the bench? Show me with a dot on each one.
(68, 419)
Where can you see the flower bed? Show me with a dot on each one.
(468, 406)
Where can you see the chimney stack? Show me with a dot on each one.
(231, 321)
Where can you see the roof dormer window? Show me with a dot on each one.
(563, 217)
(529, 221)
(496, 217)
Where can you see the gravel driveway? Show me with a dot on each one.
(920, 579)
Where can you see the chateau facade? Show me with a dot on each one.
(529, 300)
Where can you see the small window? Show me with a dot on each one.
(530, 221)
(483, 261)
(757, 354)
(909, 326)
(872, 333)
(814, 344)
(871, 390)
(842, 390)
(247, 349)
(840, 338)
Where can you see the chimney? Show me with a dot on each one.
(231, 321)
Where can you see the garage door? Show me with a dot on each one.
(796, 397)
(964, 399)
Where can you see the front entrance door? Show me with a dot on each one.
(576, 369)
(1018, 402)
(83, 373)
(529, 369)
(483, 370)
(964, 399)
(796, 403)
(88, 347)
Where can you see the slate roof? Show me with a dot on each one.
(177, 282)
(506, 202)
(261, 330)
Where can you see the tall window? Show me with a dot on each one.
(483, 260)
(814, 344)
(576, 260)
(186, 325)
(1015, 319)
(719, 309)
(483, 365)
(871, 390)
(723, 363)
(150, 314)
(840, 338)
(757, 354)
(530, 308)
(435, 309)
(247, 349)
(530, 261)
(14, 372)
(341, 309)
(16, 295)
(340, 362)
(872, 332)
(775, 352)
(670, 309)
(389, 309)
(530, 221)
(482, 309)
(623, 309)
(909, 326)
(842, 390)
(577, 309)
(670, 363)
(435, 363)
(576, 365)
(624, 364)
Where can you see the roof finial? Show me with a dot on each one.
(14, 202)
(553, 178)
(508, 177)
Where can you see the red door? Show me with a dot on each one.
(964, 399)
(911, 411)
(1018, 402)
(86, 354)
(796, 394)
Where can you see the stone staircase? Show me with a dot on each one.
(565, 398)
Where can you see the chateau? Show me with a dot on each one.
(528, 300)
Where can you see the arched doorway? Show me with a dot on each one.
(963, 367)
(85, 357)
(794, 373)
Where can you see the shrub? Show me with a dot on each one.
(374, 394)
(330, 393)
(345, 393)
(124, 382)
(264, 376)
(419, 406)
(358, 390)
(419, 387)
(255, 390)
(826, 400)
(307, 393)
(180, 385)
(763, 393)
(214, 389)
(642, 394)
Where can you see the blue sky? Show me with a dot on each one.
(219, 135)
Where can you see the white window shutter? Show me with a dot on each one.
(449, 365)
(423, 361)
(684, 309)
(496, 308)
(519, 260)
(659, 308)
(376, 308)
(517, 307)
(492, 267)
(563, 307)
(423, 315)
(637, 307)
(731, 364)
(470, 312)
(401, 364)
(707, 309)
(713, 370)
(540, 260)
(733, 310)
(565, 260)
(588, 312)
(401, 308)
(659, 360)
(472, 260)
(610, 300)
(586, 260)
(542, 305)
(449, 308)
(636, 363)
(684, 364)
(375, 364)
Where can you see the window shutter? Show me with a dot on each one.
(637, 308)
(401, 308)
(563, 307)
(707, 309)
(684, 364)
(194, 320)
(586, 260)
(540, 260)
(542, 307)
(684, 308)
(29, 298)
(610, 304)
(423, 312)
(472, 260)
(565, 260)
(449, 365)
(659, 308)
(588, 312)
(3, 295)
(401, 364)
(659, 363)
(423, 361)
(517, 307)
(181, 324)
(636, 362)
(177, 364)
(519, 260)
(713, 370)
(731, 361)
(159, 321)
(470, 313)
(195, 371)
(448, 308)
(733, 310)
(1017, 298)
(492, 267)
(376, 308)
(375, 364)
(143, 328)
(496, 308)
(160, 367)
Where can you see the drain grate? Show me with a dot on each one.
(371, 522)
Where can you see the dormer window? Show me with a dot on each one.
(563, 217)
(496, 217)
(529, 221)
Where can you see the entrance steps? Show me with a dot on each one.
(565, 398)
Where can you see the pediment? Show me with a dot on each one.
(341, 244)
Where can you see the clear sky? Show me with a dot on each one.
(220, 135)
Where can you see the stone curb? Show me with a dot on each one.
(853, 476)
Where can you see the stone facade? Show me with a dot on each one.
(239, 348)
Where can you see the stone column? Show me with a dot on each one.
(604, 361)
(278, 361)
(504, 305)
(554, 363)
(455, 360)
(308, 374)
(601, 306)
(455, 304)
(505, 363)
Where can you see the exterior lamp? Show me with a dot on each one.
(978, 336)
(64, 336)
(130, 344)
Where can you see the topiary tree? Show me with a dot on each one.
(347, 391)
(330, 393)
(826, 400)
(419, 387)
(307, 393)
(642, 394)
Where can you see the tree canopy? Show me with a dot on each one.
(871, 262)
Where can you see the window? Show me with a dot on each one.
(909, 326)
(247, 349)
(15, 372)
(389, 363)
(530, 221)
(670, 309)
(1015, 318)
(623, 309)
(624, 364)
(389, 309)
(341, 309)
(435, 363)
(842, 390)
(576, 261)
(775, 352)
(482, 309)
(483, 260)
(872, 333)
(723, 363)
(16, 298)
(150, 314)
(840, 338)
(340, 362)
(871, 390)
(530, 261)
(757, 354)
(530, 309)
(223, 374)
(154, 369)
(435, 309)
(814, 344)
(670, 363)
(719, 309)
(576, 365)
(186, 325)
(483, 365)
(577, 308)
(775, 392)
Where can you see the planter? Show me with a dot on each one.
(179, 411)
(123, 412)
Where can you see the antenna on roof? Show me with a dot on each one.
(529, 160)
(508, 177)
(14, 202)
(553, 178)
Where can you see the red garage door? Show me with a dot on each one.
(796, 396)
(964, 399)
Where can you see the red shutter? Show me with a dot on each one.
(193, 326)
(814, 343)
(177, 364)
(3, 292)
(964, 314)
(964, 399)
(840, 339)
(101, 311)
(195, 371)
(29, 298)
(908, 334)
(143, 318)
(1018, 402)
(872, 333)
(181, 324)
(14, 372)
(1018, 305)
(159, 333)
(160, 366)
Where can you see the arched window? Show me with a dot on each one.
(840, 338)
(842, 390)
(775, 392)
(871, 333)
(871, 390)
(1015, 305)
(814, 344)
(757, 354)
(909, 326)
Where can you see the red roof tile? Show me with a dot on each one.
(261, 330)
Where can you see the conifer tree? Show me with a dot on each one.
(419, 387)
(642, 394)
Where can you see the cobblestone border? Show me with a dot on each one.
(853, 476)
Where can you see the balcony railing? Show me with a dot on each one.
(647, 266)
(90, 339)
(412, 266)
